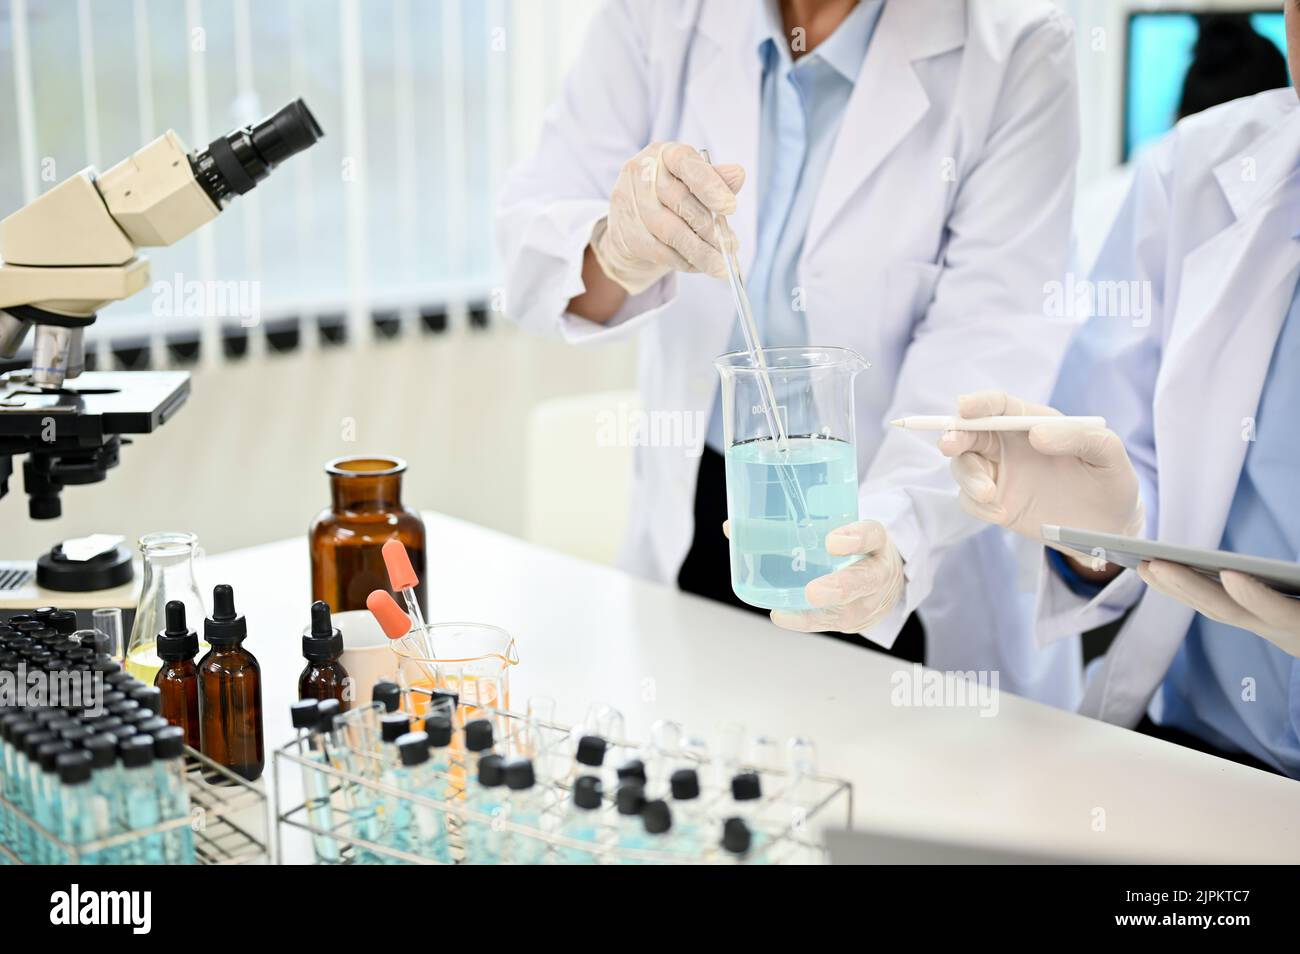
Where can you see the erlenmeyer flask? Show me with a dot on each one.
(168, 575)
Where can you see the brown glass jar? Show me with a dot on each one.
(365, 512)
(178, 678)
(230, 691)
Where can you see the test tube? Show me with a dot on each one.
(108, 621)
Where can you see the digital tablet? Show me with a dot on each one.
(1130, 551)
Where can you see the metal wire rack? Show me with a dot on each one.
(228, 817)
(340, 797)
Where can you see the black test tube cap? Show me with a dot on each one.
(587, 792)
(746, 787)
(393, 726)
(305, 713)
(630, 798)
(438, 729)
(657, 816)
(519, 774)
(478, 735)
(735, 836)
(388, 694)
(685, 784)
(591, 750)
(74, 768)
(413, 748)
(491, 771)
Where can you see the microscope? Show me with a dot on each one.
(72, 251)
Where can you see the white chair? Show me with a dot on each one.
(578, 474)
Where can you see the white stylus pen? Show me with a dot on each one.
(943, 422)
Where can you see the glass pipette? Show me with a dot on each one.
(767, 398)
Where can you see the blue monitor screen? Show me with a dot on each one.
(1160, 46)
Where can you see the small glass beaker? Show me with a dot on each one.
(782, 501)
(473, 661)
(168, 575)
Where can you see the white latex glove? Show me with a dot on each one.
(857, 597)
(660, 216)
(1064, 474)
(1240, 601)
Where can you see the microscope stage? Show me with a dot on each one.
(92, 405)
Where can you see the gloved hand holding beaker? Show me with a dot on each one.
(857, 597)
(661, 216)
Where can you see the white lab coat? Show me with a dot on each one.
(944, 208)
(1209, 223)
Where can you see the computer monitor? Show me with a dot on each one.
(1160, 47)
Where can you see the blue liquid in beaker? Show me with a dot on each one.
(772, 555)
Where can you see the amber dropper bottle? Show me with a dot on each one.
(322, 644)
(230, 691)
(178, 678)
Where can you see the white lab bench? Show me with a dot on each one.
(1028, 778)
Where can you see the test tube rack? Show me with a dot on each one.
(228, 816)
(787, 832)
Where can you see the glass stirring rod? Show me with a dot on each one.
(740, 299)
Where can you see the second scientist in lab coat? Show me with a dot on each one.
(910, 183)
(1201, 392)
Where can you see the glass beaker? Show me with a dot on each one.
(474, 661)
(168, 575)
(783, 501)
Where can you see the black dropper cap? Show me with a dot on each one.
(591, 750)
(63, 621)
(491, 771)
(44, 612)
(177, 641)
(136, 751)
(413, 748)
(633, 770)
(77, 734)
(519, 774)
(685, 784)
(224, 627)
(587, 792)
(746, 787)
(74, 768)
(321, 641)
(657, 817)
(630, 798)
(393, 726)
(107, 665)
(478, 735)
(305, 713)
(102, 749)
(438, 729)
(735, 836)
(169, 743)
(149, 697)
(388, 694)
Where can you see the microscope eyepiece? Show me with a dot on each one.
(236, 162)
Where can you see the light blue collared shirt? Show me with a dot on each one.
(802, 105)
(1230, 687)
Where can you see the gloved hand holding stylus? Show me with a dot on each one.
(1064, 474)
(660, 216)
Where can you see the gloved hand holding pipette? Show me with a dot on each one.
(660, 216)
